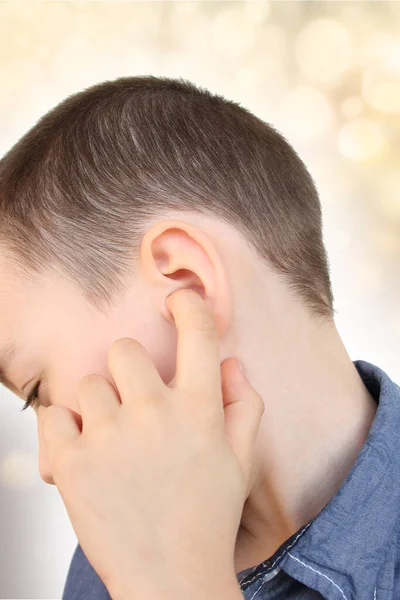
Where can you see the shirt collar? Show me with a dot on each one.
(351, 539)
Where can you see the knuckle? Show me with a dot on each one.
(105, 432)
(66, 460)
(206, 434)
(206, 422)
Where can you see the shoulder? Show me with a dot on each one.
(82, 580)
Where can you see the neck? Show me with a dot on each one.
(317, 417)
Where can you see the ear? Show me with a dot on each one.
(175, 255)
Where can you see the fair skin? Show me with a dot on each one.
(317, 410)
(155, 480)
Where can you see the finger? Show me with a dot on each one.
(198, 359)
(98, 401)
(134, 372)
(243, 410)
(59, 430)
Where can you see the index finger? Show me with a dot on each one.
(198, 365)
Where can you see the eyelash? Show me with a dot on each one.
(33, 398)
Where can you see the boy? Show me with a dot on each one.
(138, 187)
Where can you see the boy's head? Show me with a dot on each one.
(128, 191)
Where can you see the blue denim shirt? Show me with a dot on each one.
(349, 551)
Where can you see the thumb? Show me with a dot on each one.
(243, 409)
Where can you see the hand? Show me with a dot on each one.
(155, 483)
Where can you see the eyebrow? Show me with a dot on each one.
(7, 353)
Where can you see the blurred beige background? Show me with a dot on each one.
(326, 74)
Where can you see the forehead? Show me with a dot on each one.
(12, 296)
(7, 353)
(23, 307)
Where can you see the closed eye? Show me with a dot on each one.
(33, 398)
